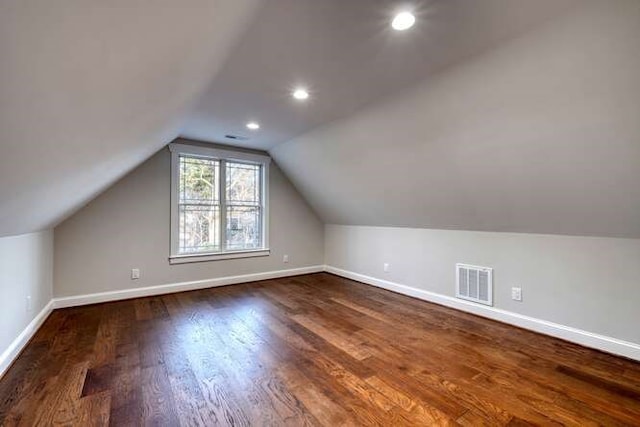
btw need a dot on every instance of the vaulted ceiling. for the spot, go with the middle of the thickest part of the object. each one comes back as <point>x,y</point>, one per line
<point>506,115</point>
<point>89,89</point>
<point>347,55</point>
<point>541,134</point>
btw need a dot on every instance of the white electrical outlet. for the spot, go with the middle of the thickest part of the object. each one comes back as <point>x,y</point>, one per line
<point>285,259</point>
<point>135,273</point>
<point>386,267</point>
<point>516,294</point>
<point>29,304</point>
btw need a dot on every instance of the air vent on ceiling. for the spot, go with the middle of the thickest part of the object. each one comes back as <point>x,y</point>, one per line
<point>237,137</point>
<point>474,283</point>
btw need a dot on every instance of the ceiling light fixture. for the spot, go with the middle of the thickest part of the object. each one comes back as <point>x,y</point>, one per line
<point>403,21</point>
<point>253,126</point>
<point>300,94</point>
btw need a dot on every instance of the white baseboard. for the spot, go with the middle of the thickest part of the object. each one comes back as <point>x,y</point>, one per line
<point>14,349</point>
<point>588,339</point>
<point>78,300</point>
<point>568,333</point>
<point>9,355</point>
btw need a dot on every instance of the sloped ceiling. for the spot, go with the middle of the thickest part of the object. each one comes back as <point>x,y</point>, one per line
<point>540,134</point>
<point>348,56</point>
<point>504,115</point>
<point>91,88</point>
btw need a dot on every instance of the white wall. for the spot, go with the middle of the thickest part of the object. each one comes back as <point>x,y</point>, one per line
<point>26,269</point>
<point>128,227</point>
<point>589,283</point>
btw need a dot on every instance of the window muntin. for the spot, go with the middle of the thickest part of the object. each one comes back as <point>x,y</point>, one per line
<point>219,201</point>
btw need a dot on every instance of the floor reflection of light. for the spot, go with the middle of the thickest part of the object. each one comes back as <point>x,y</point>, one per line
<point>191,330</point>
<point>247,330</point>
<point>223,330</point>
<point>250,314</point>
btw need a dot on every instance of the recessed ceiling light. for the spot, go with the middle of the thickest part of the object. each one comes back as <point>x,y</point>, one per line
<point>300,94</point>
<point>403,21</point>
<point>253,126</point>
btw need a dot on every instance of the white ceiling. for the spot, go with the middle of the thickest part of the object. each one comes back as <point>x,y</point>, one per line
<point>89,89</point>
<point>348,56</point>
<point>540,134</point>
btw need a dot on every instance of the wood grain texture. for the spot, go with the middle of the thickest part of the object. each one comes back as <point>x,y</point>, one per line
<point>306,351</point>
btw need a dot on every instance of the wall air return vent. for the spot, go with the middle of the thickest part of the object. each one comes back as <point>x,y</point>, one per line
<point>474,283</point>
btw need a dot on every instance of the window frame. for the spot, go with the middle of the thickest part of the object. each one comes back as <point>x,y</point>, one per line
<point>222,155</point>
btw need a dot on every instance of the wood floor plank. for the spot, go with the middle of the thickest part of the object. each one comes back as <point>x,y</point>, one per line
<point>321,406</point>
<point>243,358</point>
<point>94,410</point>
<point>222,395</point>
<point>63,406</point>
<point>157,398</point>
<point>309,350</point>
<point>349,346</point>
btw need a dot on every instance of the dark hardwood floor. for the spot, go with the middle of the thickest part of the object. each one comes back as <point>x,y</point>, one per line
<point>307,350</point>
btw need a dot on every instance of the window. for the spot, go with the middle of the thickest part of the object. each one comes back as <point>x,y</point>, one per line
<point>218,204</point>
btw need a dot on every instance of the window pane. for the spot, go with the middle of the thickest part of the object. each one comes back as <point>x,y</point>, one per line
<point>243,228</point>
<point>243,184</point>
<point>199,228</point>
<point>199,180</point>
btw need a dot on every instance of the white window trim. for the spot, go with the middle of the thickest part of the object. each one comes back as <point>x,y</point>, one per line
<point>216,153</point>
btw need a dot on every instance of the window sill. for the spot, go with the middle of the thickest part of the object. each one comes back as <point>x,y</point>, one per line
<point>184,259</point>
